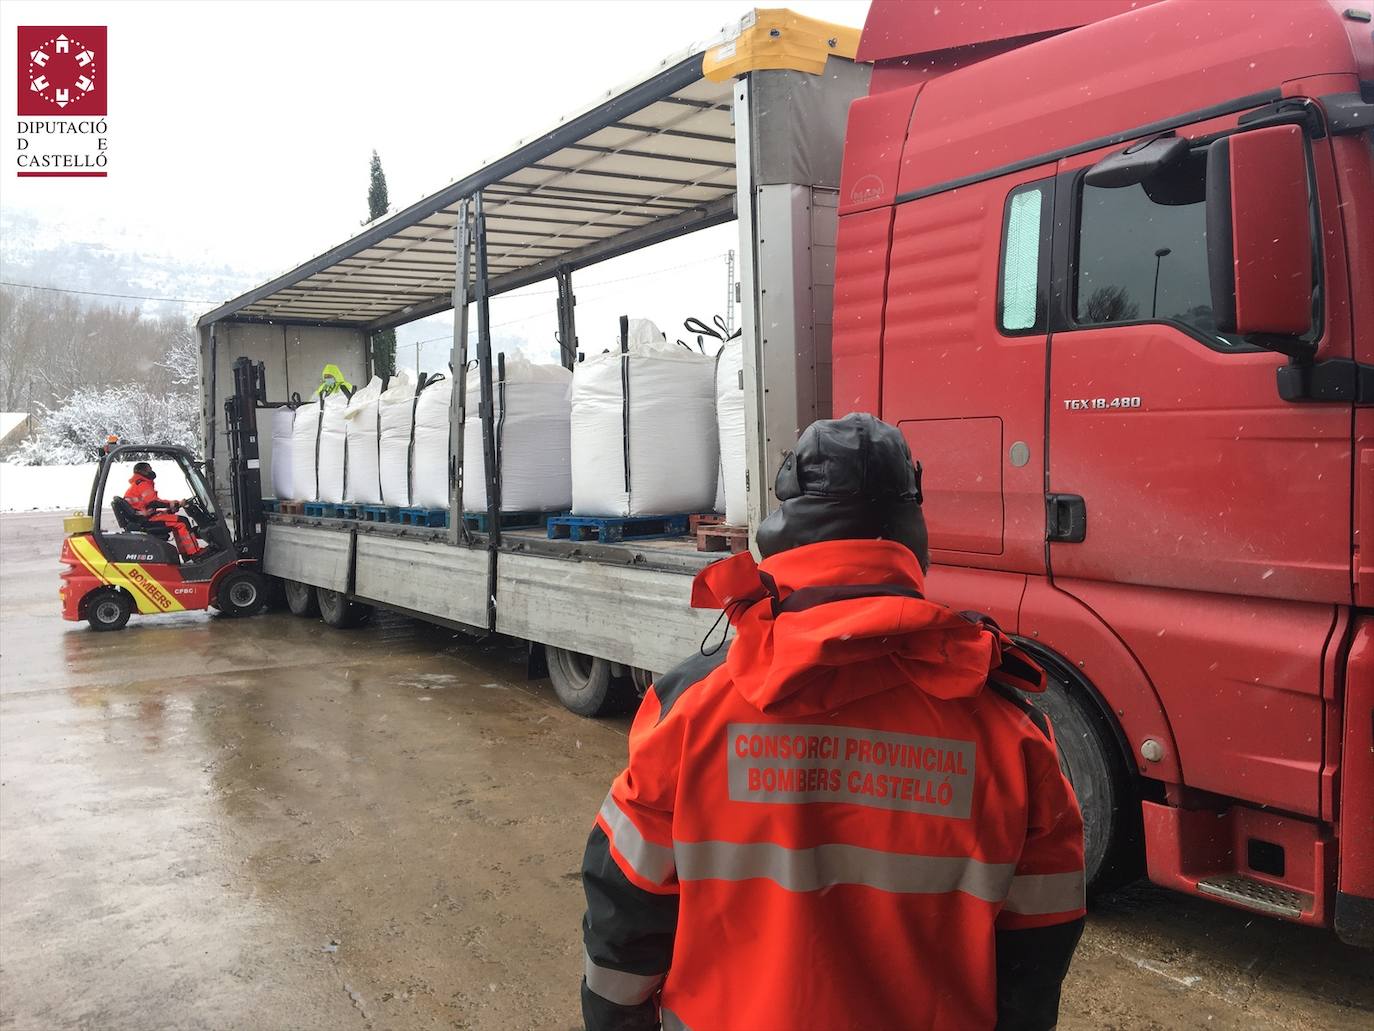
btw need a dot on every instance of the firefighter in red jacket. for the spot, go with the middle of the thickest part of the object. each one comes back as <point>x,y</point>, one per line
<point>848,816</point>
<point>142,496</point>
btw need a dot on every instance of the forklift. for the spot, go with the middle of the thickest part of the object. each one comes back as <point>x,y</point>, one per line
<point>113,571</point>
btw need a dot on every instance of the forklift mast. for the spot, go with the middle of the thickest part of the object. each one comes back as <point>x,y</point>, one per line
<point>245,466</point>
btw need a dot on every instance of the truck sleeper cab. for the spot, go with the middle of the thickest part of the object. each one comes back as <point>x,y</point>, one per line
<point>1102,278</point>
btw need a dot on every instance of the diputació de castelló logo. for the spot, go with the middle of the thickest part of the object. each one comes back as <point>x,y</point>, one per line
<point>63,100</point>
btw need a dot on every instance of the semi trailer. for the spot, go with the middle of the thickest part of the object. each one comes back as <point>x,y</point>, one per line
<point>1107,266</point>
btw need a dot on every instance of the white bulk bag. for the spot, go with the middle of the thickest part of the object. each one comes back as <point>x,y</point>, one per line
<point>362,422</point>
<point>283,422</point>
<point>534,435</point>
<point>429,455</point>
<point>333,450</point>
<point>305,442</point>
<point>730,421</point>
<point>396,420</point>
<point>652,450</point>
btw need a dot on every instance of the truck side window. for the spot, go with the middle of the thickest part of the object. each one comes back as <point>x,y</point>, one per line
<point>1020,291</point>
<point>1142,254</point>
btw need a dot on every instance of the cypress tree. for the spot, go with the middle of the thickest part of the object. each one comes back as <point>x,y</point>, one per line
<point>383,343</point>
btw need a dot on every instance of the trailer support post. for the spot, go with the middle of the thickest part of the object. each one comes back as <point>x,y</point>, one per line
<point>458,360</point>
<point>484,373</point>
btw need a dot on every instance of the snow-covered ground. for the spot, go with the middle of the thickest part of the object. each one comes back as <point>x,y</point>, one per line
<point>29,488</point>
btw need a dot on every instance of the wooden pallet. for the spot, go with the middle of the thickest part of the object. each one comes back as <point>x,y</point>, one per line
<point>291,507</point>
<point>478,522</point>
<point>696,522</point>
<point>378,513</point>
<point>422,516</point>
<point>722,537</point>
<point>614,529</point>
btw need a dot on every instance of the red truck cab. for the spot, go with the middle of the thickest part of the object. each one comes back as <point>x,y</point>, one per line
<point>1108,266</point>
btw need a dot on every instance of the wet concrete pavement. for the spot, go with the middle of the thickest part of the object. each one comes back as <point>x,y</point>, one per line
<point>208,823</point>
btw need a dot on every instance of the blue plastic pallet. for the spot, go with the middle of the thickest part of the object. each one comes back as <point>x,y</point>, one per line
<point>321,509</point>
<point>614,529</point>
<point>378,513</point>
<point>271,505</point>
<point>423,516</point>
<point>479,522</point>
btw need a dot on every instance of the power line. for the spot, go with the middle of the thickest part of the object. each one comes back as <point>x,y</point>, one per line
<point>98,293</point>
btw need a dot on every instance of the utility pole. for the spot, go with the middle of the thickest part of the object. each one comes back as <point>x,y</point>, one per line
<point>730,292</point>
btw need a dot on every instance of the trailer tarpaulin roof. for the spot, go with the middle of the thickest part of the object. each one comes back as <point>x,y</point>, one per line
<point>651,161</point>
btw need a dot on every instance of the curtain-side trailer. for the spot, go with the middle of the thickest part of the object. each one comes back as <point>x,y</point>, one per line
<point>749,127</point>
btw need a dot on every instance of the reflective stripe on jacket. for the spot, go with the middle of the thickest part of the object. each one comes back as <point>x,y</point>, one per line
<point>832,822</point>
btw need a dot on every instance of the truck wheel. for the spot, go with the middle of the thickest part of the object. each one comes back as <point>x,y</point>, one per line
<point>337,611</point>
<point>108,610</point>
<point>1091,758</point>
<point>301,599</point>
<point>585,685</point>
<point>241,593</point>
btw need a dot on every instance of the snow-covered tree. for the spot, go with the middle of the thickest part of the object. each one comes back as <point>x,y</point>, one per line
<point>73,431</point>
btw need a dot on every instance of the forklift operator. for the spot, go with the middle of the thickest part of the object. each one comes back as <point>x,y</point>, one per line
<point>142,495</point>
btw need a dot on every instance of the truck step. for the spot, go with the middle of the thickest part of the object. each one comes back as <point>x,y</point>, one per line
<point>614,529</point>
<point>480,522</point>
<point>722,537</point>
<point>422,516</point>
<point>378,513</point>
<point>1257,895</point>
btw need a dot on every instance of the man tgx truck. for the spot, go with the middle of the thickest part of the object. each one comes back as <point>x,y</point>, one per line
<point>1115,282</point>
<point>1107,264</point>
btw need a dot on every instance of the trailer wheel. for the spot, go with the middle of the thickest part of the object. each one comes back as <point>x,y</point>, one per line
<point>585,684</point>
<point>241,593</point>
<point>337,611</point>
<point>1091,758</point>
<point>301,599</point>
<point>108,609</point>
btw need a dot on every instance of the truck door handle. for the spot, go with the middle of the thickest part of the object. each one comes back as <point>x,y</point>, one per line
<point>1066,518</point>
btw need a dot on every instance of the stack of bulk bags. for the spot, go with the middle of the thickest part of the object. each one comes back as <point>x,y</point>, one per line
<point>730,420</point>
<point>362,418</point>
<point>429,454</point>
<point>644,436</point>
<point>305,442</point>
<point>283,424</point>
<point>533,422</point>
<point>396,423</point>
<point>332,454</point>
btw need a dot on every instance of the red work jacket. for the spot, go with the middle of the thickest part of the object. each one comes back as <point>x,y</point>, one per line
<point>141,494</point>
<point>829,824</point>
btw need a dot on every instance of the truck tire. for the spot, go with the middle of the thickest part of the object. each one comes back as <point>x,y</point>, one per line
<point>1091,757</point>
<point>585,685</point>
<point>108,609</point>
<point>241,593</point>
<point>301,599</point>
<point>337,611</point>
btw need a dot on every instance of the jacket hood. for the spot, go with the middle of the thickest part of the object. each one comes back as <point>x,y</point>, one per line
<point>825,624</point>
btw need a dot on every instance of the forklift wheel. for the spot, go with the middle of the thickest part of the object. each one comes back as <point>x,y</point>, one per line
<point>300,599</point>
<point>108,610</point>
<point>240,593</point>
<point>337,611</point>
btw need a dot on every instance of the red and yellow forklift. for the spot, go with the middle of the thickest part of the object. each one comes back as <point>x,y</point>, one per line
<point>133,566</point>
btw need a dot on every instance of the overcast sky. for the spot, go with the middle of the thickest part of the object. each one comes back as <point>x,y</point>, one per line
<point>241,131</point>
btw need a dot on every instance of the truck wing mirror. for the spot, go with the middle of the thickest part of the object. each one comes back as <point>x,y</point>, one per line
<point>1259,238</point>
<point>1137,162</point>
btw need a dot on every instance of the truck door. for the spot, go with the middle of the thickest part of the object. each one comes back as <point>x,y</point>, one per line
<point>963,371</point>
<point>1203,518</point>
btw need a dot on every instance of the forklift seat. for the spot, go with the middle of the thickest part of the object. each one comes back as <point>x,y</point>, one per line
<point>131,521</point>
